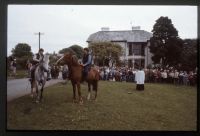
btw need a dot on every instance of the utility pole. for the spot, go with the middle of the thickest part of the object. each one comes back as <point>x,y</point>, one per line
<point>39,37</point>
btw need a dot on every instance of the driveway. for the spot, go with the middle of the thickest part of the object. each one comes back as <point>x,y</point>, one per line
<point>20,87</point>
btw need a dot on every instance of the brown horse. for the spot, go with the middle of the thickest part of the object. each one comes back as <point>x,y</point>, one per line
<point>76,75</point>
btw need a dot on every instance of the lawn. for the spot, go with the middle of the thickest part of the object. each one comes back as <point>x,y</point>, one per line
<point>159,107</point>
<point>19,74</point>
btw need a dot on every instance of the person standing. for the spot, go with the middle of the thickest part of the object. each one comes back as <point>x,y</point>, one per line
<point>181,74</point>
<point>65,72</point>
<point>185,78</point>
<point>14,66</point>
<point>139,78</point>
<point>28,67</point>
<point>176,78</point>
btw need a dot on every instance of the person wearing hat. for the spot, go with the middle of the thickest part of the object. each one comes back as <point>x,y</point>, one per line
<point>36,59</point>
<point>87,62</point>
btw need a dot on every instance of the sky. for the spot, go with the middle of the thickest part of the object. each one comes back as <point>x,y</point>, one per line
<point>66,25</point>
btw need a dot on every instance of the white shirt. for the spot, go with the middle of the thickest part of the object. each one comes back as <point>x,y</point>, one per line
<point>164,74</point>
<point>176,74</point>
<point>140,77</point>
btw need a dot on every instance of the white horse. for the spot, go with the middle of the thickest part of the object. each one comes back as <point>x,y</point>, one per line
<point>39,78</point>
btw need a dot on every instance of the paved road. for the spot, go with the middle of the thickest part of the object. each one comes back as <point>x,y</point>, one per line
<point>20,87</point>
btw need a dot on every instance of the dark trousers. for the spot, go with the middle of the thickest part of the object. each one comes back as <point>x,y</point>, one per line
<point>139,86</point>
<point>86,69</point>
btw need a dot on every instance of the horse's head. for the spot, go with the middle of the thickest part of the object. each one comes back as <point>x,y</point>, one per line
<point>69,59</point>
<point>45,61</point>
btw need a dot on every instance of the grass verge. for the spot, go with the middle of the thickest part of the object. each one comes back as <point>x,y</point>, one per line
<point>159,107</point>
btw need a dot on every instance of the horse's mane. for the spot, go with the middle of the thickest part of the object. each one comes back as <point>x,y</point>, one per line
<point>73,59</point>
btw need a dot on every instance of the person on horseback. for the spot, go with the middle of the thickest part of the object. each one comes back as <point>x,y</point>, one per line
<point>36,59</point>
<point>87,63</point>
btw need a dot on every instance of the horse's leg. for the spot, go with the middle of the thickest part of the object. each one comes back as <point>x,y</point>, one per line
<point>32,95</point>
<point>95,86</point>
<point>79,93</point>
<point>74,92</point>
<point>41,91</point>
<point>89,91</point>
<point>37,92</point>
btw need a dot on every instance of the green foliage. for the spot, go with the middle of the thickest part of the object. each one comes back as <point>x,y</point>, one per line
<point>165,44</point>
<point>66,50</point>
<point>103,50</point>
<point>74,49</point>
<point>52,59</point>
<point>189,54</point>
<point>22,73</point>
<point>21,50</point>
<point>21,62</point>
<point>78,50</point>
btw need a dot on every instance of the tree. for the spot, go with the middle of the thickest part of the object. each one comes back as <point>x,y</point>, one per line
<point>165,45</point>
<point>22,50</point>
<point>65,50</point>
<point>103,51</point>
<point>78,50</point>
<point>189,54</point>
<point>22,53</point>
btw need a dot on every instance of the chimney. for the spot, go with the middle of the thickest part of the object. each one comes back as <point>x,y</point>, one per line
<point>135,27</point>
<point>105,29</point>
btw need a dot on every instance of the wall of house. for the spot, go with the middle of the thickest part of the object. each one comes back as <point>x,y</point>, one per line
<point>146,58</point>
<point>124,50</point>
<point>148,55</point>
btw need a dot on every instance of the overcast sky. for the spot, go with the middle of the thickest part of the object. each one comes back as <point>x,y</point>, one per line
<point>65,25</point>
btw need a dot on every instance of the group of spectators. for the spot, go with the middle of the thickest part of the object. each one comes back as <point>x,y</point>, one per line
<point>173,76</point>
<point>154,75</point>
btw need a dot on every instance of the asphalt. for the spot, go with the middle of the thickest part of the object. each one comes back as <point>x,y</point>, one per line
<point>20,87</point>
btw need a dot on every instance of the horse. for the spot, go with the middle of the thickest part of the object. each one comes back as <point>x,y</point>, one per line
<point>76,69</point>
<point>39,78</point>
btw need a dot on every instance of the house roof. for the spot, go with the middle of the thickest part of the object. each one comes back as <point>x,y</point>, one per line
<point>128,36</point>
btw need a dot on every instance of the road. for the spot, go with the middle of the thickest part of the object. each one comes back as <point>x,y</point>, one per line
<point>20,87</point>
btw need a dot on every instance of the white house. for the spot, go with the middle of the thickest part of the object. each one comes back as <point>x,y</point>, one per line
<point>135,44</point>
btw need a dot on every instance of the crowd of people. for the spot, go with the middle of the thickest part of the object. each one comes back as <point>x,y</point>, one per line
<point>154,75</point>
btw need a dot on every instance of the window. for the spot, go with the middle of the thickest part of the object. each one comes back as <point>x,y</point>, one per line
<point>136,52</point>
<point>130,49</point>
<point>137,49</point>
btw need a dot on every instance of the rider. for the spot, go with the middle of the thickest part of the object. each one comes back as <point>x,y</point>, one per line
<point>36,59</point>
<point>87,62</point>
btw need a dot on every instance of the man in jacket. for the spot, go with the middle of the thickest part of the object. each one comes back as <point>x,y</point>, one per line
<point>36,59</point>
<point>87,63</point>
